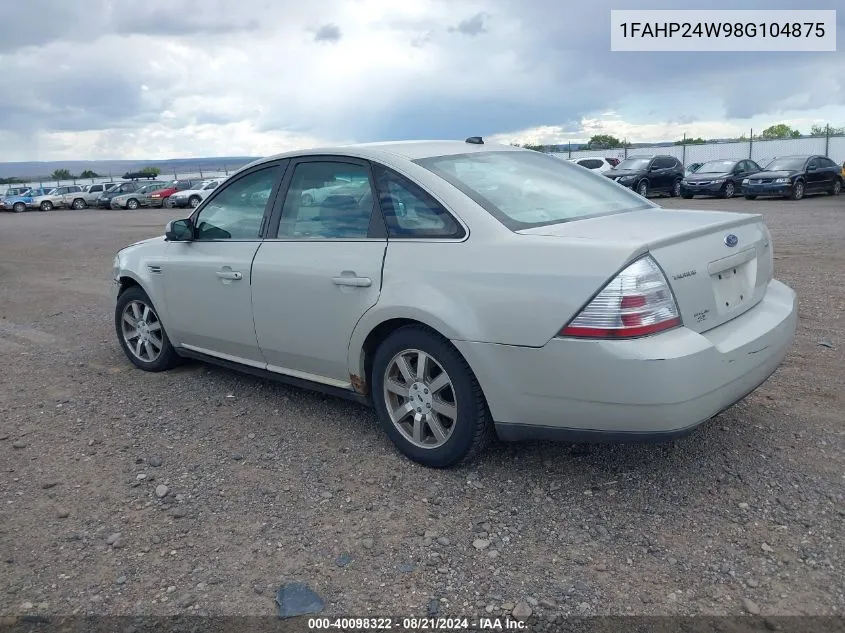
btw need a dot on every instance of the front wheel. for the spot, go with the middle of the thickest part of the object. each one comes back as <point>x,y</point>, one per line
<point>19,207</point>
<point>642,188</point>
<point>427,399</point>
<point>836,188</point>
<point>729,190</point>
<point>132,204</point>
<point>194,202</point>
<point>797,190</point>
<point>676,189</point>
<point>141,333</point>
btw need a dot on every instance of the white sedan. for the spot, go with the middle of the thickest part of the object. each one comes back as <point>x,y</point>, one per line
<point>473,290</point>
<point>192,197</point>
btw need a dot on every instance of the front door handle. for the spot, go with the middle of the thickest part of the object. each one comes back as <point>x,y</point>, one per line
<point>230,275</point>
<point>350,280</point>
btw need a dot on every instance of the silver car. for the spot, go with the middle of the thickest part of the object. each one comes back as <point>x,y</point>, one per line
<point>469,290</point>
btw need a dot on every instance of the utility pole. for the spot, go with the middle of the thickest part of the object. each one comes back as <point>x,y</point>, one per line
<point>750,143</point>
<point>684,150</point>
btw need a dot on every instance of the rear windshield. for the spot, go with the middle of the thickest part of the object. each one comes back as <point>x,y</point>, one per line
<point>523,189</point>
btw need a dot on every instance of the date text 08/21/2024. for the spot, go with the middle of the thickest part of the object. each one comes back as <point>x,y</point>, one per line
<point>417,624</point>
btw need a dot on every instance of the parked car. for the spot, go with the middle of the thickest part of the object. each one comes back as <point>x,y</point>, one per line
<point>12,192</point>
<point>316,195</point>
<point>472,290</point>
<point>57,197</point>
<point>793,177</point>
<point>104,201</point>
<point>20,203</point>
<point>90,194</point>
<point>192,197</point>
<point>718,178</point>
<point>843,171</point>
<point>649,174</point>
<point>692,168</point>
<point>138,198</point>
<point>597,164</point>
<point>160,196</point>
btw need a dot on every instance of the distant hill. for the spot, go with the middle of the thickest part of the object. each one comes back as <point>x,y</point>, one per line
<point>119,167</point>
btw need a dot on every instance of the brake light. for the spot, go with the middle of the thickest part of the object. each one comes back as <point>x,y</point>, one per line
<point>637,302</point>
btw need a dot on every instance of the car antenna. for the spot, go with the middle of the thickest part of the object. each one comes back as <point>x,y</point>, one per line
<point>475,140</point>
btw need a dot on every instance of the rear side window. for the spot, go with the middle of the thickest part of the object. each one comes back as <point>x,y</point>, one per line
<point>410,212</point>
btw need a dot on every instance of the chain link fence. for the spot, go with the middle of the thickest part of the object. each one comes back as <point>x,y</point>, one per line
<point>166,176</point>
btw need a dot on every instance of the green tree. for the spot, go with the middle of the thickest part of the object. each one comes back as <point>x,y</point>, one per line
<point>153,171</point>
<point>603,141</point>
<point>691,141</point>
<point>779,130</point>
<point>61,174</point>
<point>89,174</point>
<point>824,130</point>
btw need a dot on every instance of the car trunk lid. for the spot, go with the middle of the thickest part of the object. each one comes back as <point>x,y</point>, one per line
<point>718,264</point>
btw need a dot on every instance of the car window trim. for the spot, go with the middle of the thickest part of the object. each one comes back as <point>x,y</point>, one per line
<point>425,238</point>
<point>284,163</point>
<point>377,231</point>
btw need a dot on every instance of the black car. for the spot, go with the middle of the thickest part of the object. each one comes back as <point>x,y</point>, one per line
<point>794,176</point>
<point>104,201</point>
<point>649,174</point>
<point>718,178</point>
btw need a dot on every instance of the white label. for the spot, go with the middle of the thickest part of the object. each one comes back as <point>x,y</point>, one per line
<point>722,30</point>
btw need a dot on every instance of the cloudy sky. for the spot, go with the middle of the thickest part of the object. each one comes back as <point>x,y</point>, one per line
<point>100,79</point>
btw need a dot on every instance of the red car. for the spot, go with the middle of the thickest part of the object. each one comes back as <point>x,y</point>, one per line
<point>159,196</point>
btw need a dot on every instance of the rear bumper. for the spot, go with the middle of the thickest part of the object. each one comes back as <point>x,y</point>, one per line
<point>637,390</point>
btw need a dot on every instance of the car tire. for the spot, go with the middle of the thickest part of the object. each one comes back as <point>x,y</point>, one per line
<point>134,302</point>
<point>642,188</point>
<point>797,190</point>
<point>748,197</point>
<point>729,190</point>
<point>836,188</point>
<point>676,189</point>
<point>19,207</point>
<point>78,204</point>
<point>194,201</point>
<point>46,206</point>
<point>132,204</point>
<point>447,444</point>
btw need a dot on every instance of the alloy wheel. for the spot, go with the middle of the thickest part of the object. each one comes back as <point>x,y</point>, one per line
<point>141,331</point>
<point>420,398</point>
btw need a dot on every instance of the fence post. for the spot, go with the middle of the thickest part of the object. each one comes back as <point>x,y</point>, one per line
<point>684,150</point>
<point>827,141</point>
<point>570,149</point>
<point>750,143</point>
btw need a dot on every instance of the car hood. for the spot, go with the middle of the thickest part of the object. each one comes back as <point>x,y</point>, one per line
<point>775,174</point>
<point>136,245</point>
<point>706,176</point>
<point>616,173</point>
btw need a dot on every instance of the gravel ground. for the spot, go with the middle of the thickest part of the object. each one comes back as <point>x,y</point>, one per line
<point>202,491</point>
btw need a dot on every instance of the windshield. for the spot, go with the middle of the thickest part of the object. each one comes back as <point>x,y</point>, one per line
<point>633,163</point>
<point>523,189</point>
<point>716,167</point>
<point>786,164</point>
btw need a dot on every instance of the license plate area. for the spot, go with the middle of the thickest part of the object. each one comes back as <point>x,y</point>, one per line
<point>734,286</point>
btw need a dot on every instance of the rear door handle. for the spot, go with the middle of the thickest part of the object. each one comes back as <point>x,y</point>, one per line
<point>229,274</point>
<point>356,282</point>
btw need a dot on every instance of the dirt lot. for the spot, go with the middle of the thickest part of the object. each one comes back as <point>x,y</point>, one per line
<point>269,484</point>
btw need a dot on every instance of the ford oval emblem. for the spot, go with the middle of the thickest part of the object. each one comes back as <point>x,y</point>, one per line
<point>731,240</point>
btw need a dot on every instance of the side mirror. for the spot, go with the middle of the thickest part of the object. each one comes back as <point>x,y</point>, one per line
<point>179,231</point>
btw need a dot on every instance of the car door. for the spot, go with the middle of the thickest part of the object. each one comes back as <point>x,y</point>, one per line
<point>319,270</point>
<point>207,279</point>
<point>816,176</point>
<point>659,175</point>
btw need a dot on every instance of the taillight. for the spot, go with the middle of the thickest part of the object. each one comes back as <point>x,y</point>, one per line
<point>637,302</point>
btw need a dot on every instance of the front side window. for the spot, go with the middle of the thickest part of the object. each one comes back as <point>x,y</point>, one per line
<point>327,200</point>
<point>525,189</point>
<point>236,212</point>
<point>411,212</point>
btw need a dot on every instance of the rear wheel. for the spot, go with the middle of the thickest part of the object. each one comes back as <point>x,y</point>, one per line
<point>427,399</point>
<point>46,206</point>
<point>729,190</point>
<point>836,188</point>
<point>642,188</point>
<point>140,332</point>
<point>19,207</point>
<point>78,204</point>
<point>797,190</point>
<point>132,204</point>
<point>676,189</point>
